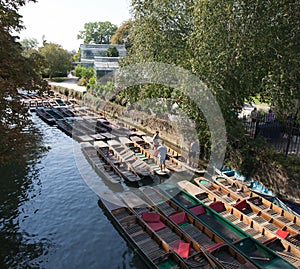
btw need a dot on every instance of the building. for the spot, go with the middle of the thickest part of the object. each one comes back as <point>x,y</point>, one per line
<point>94,55</point>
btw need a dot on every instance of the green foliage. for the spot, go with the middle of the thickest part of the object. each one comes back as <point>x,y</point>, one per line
<point>122,35</point>
<point>16,72</point>
<point>241,50</point>
<point>97,32</point>
<point>76,56</point>
<point>84,74</point>
<point>29,46</point>
<point>112,52</point>
<point>58,60</point>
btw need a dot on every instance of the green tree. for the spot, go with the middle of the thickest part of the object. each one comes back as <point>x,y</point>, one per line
<point>16,73</point>
<point>122,35</point>
<point>240,49</point>
<point>97,32</point>
<point>29,45</point>
<point>58,60</point>
<point>76,56</point>
<point>85,75</point>
<point>112,52</point>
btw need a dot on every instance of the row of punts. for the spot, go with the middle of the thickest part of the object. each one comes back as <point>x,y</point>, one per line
<point>34,101</point>
<point>190,222</point>
<point>171,228</point>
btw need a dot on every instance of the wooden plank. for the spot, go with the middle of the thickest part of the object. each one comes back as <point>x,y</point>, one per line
<point>100,144</point>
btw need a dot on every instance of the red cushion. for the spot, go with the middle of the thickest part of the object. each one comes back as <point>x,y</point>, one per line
<point>282,234</point>
<point>241,205</point>
<point>217,206</point>
<point>156,226</point>
<point>198,210</point>
<point>181,248</point>
<point>150,216</point>
<point>178,218</point>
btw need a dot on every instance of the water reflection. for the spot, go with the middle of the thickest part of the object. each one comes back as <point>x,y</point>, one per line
<point>19,184</point>
<point>50,218</point>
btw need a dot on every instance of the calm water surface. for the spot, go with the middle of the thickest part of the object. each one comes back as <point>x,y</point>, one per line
<point>50,218</point>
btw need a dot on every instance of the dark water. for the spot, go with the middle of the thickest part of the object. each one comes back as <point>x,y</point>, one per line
<point>50,218</point>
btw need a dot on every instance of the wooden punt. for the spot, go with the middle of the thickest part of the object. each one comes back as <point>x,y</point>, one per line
<point>151,248</point>
<point>113,127</point>
<point>236,184</point>
<point>104,151</point>
<point>250,225</point>
<point>255,186</point>
<point>99,165</point>
<point>84,126</point>
<point>201,235</point>
<point>144,149</point>
<point>176,240</point>
<point>66,127</point>
<point>73,131</point>
<point>259,254</point>
<point>174,157</point>
<point>143,156</point>
<point>66,112</point>
<point>270,213</point>
<point>45,116</point>
<point>108,136</point>
<point>126,156</point>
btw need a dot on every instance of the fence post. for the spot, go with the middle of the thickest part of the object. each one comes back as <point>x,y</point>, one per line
<point>289,138</point>
<point>256,129</point>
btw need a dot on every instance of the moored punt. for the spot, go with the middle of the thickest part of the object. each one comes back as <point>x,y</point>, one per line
<point>143,156</point>
<point>258,253</point>
<point>269,237</point>
<point>126,156</point>
<point>84,126</point>
<point>104,170</point>
<point>45,116</point>
<point>242,187</point>
<point>105,153</point>
<point>54,113</point>
<point>201,235</point>
<point>269,212</point>
<point>255,186</point>
<point>150,247</point>
<point>65,126</point>
<point>112,127</point>
<point>174,157</point>
<point>176,240</point>
<point>108,136</point>
<point>68,128</point>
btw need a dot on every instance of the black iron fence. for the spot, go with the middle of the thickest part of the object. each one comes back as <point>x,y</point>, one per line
<point>283,137</point>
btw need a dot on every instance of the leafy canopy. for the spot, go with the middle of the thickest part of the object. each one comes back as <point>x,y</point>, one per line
<point>16,73</point>
<point>240,49</point>
<point>97,32</point>
<point>58,61</point>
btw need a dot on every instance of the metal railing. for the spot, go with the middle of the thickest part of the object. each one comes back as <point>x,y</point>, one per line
<point>283,137</point>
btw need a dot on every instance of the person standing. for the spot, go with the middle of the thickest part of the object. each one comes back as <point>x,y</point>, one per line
<point>192,155</point>
<point>270,117</point>
<point>162,154</point>
<point>254,116</point>
<point>155,139</point>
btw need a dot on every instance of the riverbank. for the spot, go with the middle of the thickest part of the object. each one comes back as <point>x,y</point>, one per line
<point>275,175</point>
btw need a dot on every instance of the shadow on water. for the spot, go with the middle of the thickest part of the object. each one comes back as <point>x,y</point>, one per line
<point>19,183</point>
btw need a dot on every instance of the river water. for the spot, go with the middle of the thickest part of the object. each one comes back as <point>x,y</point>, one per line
<point>50,218</point>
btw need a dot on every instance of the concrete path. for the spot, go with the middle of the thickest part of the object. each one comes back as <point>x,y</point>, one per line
<point>70,83</point>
